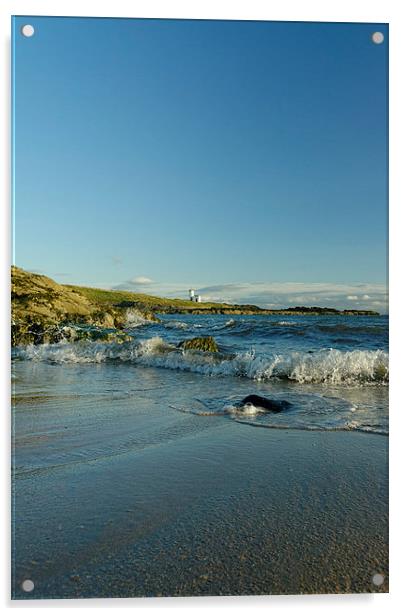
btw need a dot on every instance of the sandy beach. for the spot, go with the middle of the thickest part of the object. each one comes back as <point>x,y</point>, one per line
<point>208,507</point>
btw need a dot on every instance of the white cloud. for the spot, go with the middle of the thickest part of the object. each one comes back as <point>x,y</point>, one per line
<point>141,280</point>
<point>286,294</point>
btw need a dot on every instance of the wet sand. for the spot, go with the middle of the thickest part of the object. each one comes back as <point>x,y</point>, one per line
<point>219,509</point>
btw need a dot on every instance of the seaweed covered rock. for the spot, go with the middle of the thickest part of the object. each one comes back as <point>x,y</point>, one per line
<point>94,334</point>
<point>206,343</point>
<point>48,333</point>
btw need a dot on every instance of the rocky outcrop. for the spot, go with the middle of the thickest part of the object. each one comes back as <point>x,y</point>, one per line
<point>46,333</point>
<point>44,311</point>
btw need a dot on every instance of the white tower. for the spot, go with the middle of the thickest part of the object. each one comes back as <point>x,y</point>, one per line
<point>192,295</point>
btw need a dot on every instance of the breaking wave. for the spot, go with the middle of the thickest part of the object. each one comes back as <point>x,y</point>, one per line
<point>135,319</point>
<point>323,366</point>
<point>176,325</point>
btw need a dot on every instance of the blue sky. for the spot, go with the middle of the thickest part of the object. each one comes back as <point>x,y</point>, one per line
<point>245,159</point>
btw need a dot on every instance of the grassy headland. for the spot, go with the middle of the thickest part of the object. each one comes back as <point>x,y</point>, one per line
<point>43,310</point>
<point>181,306</point>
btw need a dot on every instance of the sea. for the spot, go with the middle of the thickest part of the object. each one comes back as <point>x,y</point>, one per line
<point>332,370</point>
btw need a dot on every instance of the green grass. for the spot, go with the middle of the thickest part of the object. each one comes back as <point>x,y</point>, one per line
<point>103,296</point>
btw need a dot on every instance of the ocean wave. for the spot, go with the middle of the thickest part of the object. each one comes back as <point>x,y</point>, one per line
<point>175,325</point>
<point>345,327</point>
<point>286,323</point>
<point>324,366</point>
<point>226,325</point>
<point>260,329</point>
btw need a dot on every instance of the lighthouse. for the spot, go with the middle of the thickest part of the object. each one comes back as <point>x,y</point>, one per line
<point>193,297</point>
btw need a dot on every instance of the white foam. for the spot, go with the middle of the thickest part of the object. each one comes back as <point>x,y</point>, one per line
<point>175,325</point>
<point>286,323</point>
<point>134,319</point>
<point>245,410</point>
<point>326,366</point>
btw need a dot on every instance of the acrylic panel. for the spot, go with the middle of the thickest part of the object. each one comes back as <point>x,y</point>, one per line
<point>199,308</point>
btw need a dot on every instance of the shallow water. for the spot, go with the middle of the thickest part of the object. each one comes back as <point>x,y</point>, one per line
<point>132,498</point>
<point>333,371</point>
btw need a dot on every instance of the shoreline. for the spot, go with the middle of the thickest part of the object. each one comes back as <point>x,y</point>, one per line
<point>221,511</point>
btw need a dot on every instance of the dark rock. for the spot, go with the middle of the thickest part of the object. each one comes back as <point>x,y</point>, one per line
<point>275,406</point>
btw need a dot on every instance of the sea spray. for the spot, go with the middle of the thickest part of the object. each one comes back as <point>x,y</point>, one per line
<point>324,366</point>
<point>133,318</point>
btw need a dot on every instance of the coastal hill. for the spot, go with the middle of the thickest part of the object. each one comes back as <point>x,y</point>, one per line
<point>43,310</point>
